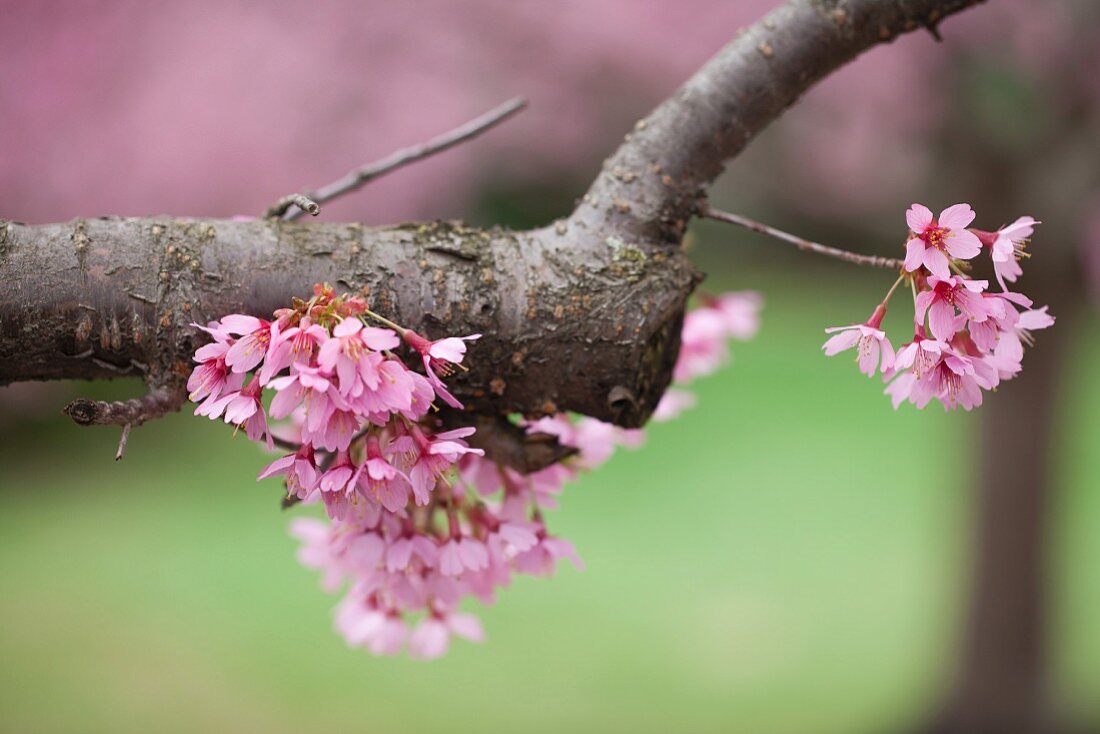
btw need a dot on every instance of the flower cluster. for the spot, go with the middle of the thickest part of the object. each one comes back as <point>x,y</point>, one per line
<point>704,343</point>
<point>417,520</point>
<point>966,338</point>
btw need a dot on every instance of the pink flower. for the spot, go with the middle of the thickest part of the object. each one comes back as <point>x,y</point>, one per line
<point>296,387</point>
<point>740,312</point>
<point>594,439</point>
<point>920,355</point>
<point>212,376</point>
<point>1009,352</point>
<point>249,350</point>
<point>541,560</point>
<point>402,551</point>
<point>432,456</point>
<point>320,548</point>
<point>1006,246</point>
<point>337,478</point>
<point>300,469</point>
<point>461,554</point>
<point>702,345</point>
<point>242,408</point>
<point>673,403</point>
<point>352,354</point>
<point>442,357</point>
<point>519,537</point>
<point>944,296</point>
<point>875,350</point>
<point>936,240</point>
<point>380,480</point>
<point>432,636</point>
<point>363,624</point>
<point>294,345</point>
<point>952,381</point>
<point>392,393</point>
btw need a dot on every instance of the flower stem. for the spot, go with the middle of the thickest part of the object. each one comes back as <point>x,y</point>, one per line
<point>893,288</point>
<point>383,320</point>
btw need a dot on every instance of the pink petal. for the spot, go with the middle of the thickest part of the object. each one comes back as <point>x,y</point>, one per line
<point>918,217</point>
<point>239,324</point>
<point>380,339</point>
<point>937,263</point>
<point>941,319</point>
<point>868,359</point>
<point>963,244</point>
<point>840,342</point>
<point>276,467</point>
<point>957,216</point>
<point>467,626</point>
<point>914,254</point>
<point>347,327</point>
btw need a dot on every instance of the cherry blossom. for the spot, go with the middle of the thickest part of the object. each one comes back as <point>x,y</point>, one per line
<point>1006,246</point>
<point>875,350</point>
<point>937,241</point>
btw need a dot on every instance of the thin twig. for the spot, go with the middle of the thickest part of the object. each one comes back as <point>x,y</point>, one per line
<point>122,441</point>
<point>301,201</point>
<point>360,177</point>
<point>805,245</point>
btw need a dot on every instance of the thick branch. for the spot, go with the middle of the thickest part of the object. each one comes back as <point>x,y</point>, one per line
<point>569,325</point>
<point>649,187</point>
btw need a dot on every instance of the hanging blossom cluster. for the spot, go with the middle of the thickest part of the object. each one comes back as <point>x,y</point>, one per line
<point>966,337</point>
<point>418,520</point>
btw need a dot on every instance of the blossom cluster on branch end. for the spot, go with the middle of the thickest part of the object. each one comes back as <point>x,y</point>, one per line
<point>417,520</point>
<point>977,336</point>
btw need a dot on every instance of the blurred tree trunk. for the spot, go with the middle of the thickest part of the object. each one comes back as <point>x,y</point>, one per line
<point>1003,679</point>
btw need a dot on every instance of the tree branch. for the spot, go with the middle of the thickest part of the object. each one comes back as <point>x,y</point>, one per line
<point>569,325</point>
<point>875,261</point>
<point>649,187</point>
<point>584,315</point>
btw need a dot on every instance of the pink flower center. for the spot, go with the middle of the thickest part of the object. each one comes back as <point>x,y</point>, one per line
<point>950,381</point>
<point>946,292</point>
<point>934,236</point>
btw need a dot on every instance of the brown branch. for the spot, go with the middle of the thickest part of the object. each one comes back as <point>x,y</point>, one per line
<point>855,258</point>
<point>154,404</point>
<point>126,413</point>
<point>649,187</point>
<point>566,324</point>
<point>362,176</point>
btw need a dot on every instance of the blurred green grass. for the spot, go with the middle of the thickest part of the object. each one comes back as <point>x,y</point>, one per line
<point>770,562</point>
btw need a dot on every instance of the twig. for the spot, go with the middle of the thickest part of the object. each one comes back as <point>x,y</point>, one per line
<point>362,176</point>
<point>303,202</point>
<point>805,245</point>
<point>157,402</point>
<point>122,441</point>
<point>126,413</point>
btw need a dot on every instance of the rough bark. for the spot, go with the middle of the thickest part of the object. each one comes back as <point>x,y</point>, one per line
<point>581,316</point>
<point>590,327</point>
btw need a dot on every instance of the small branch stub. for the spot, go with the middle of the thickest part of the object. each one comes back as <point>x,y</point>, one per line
<point>156,403</point>
<point>303,202</point>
